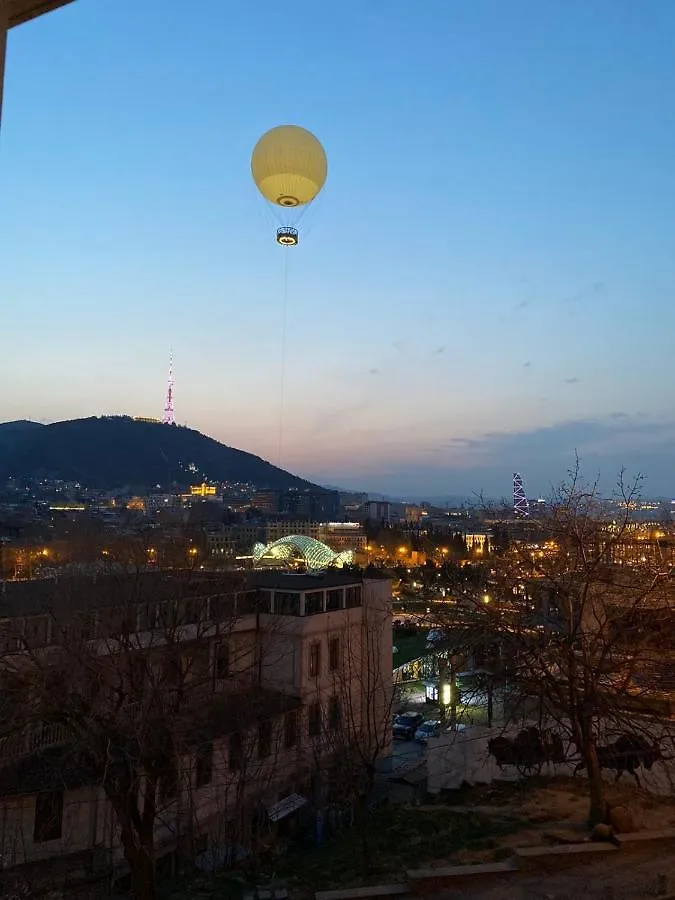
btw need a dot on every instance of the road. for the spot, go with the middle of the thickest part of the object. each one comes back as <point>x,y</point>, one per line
<point>403,751</point>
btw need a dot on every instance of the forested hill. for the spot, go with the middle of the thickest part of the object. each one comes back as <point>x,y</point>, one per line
<point>115,451</point>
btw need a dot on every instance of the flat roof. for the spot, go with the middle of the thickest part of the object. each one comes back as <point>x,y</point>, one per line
<point>289,581</point>
<point>73,591</point>
<point>21,11</point>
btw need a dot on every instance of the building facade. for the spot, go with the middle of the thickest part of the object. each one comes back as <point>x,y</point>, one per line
<point>257,689</point>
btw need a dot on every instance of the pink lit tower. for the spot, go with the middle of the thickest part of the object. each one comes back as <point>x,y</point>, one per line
<point>169,418</point>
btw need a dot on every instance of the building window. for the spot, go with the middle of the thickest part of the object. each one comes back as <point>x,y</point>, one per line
<point>315,660</point>
<point>291,729</point>
<point>353,597</point>
<point>48,822</point>
<point>204,764</point>
<point>313,603</point>
<point>265,601</point>
<point>334,600</point>
<point>173,672</point>
<point>334,714</point>
<point>36,631</point>
<point>264,740</point>
<point>334,654</point>
<point>222,667</point>
<point>314,720</point>
<point>286,603</point>
<point>168,785</point>
<point>200,844</point>
<point>138,675</point>
<point>236,752</point>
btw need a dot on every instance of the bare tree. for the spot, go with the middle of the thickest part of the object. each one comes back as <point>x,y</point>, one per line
<point>123,666</point>
<point>255,759</point>
<point>357,720</point>
<point>580,606</point>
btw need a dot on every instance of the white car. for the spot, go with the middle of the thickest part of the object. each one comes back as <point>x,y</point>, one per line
<point>435,636</point>
<point>427,729</point>
<point>455,729</point>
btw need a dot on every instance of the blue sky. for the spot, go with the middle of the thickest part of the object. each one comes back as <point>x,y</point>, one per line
<point>486,283</point>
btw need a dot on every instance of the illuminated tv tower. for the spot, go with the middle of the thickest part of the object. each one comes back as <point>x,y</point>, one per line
<point>169,418</point>
<point>521,508</point>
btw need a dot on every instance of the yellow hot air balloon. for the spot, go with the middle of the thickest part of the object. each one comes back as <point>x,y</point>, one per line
<point>289,167</point>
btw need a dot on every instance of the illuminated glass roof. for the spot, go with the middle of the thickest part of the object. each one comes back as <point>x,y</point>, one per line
<point>314,554</point>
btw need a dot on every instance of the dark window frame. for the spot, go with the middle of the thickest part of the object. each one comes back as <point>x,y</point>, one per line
<point>236,752</point>
<point>314,603</point>
<point>265,739</point>
<point>48,817</point>
<point>204,765</point>
<point>291,729</point>
<point>334,714</point>
<point>222,662</point>
<point>354,597</point>
<point>333,599</point>
<point>168,785</point>
<point>334,654</point>
<point>314,667</point>
<point>314,719</point>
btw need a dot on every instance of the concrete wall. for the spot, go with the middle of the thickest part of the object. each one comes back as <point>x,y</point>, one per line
<point>89,821</point>
<point>362,681</point>
<point>463,757</point>
<point>17,817</point>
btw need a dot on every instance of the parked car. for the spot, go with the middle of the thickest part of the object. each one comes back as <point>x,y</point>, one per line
<point>455,729</point>
<point>427,729</point>
<point>435,636</point>
<point>406,724</point>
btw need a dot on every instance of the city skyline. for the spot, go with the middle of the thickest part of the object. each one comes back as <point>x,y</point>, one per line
<point>485,286</point>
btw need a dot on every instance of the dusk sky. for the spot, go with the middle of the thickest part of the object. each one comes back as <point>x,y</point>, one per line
<point>486,284</point>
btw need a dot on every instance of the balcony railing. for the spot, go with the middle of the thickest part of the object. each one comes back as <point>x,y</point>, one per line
<point>32,740</point>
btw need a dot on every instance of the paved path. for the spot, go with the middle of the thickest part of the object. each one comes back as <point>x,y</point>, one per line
<point>629,878</point>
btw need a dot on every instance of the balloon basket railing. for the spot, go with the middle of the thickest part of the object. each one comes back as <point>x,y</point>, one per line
<point>287,237</point>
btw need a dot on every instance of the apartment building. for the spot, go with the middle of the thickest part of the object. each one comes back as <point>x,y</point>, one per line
<point>338,536</point>
<point>184,712</point>
<point>227,541</point>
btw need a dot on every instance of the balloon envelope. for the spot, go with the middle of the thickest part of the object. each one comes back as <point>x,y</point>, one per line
<point>289,166</point>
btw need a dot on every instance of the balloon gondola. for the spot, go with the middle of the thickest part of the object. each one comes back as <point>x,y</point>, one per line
<point>287,236</point>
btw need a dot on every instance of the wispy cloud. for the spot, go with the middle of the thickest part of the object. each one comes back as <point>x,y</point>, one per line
<point>460,465</point>
<point>597,287</point>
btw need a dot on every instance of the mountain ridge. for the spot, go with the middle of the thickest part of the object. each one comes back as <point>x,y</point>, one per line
<point>109,452</point>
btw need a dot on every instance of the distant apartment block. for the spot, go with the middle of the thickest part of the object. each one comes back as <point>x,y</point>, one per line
<point>378,511</point>
<point>228,541</point>
<point>316,505</point>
